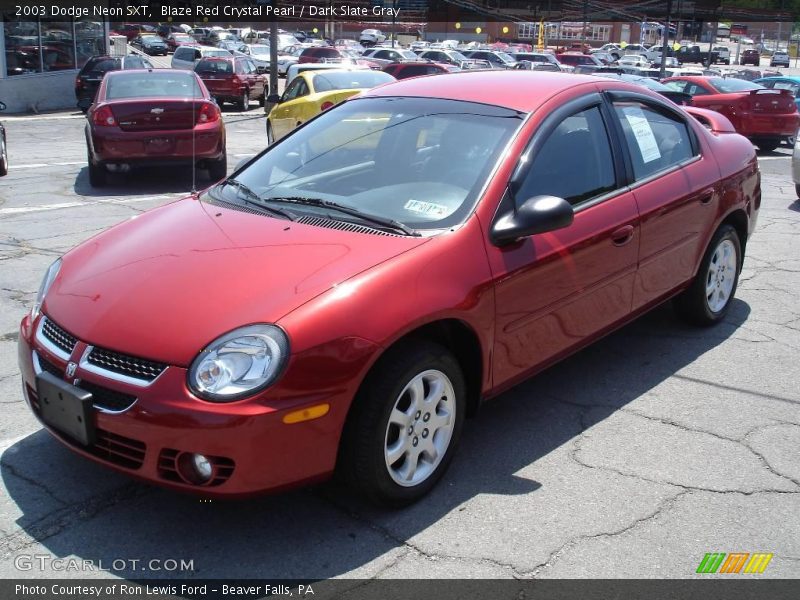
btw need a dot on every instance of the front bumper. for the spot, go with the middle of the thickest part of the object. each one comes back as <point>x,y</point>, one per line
<point>253,451</point>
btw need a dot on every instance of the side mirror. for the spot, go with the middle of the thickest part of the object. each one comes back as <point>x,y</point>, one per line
<point>536,215</point>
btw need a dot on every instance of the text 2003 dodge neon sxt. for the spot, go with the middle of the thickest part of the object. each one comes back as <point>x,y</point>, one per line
<point>348,296</point>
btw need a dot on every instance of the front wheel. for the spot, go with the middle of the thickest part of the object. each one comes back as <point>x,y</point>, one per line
<point>3,157</point>
<point>707,300</point>
<point>270,134</point>
<point>405,424</point>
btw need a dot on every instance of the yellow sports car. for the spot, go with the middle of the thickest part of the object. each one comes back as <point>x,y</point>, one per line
<point>311,92</point>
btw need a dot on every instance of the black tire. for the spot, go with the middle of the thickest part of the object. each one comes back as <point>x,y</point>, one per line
<point>262,99</point>
<point>693,303</point>
<point>3,157</point>
<point>218,169</point>
<point>244,101</point>
<point>768,145</point>
<point>362,461</point>
<point>270,134</point>
<point>97,173</point>
<point>797,190</point>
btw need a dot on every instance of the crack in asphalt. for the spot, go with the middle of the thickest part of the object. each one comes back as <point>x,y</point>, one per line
<point>37,484</point>
<point>69,515</point>
<point>665,504</point>
<point>389,535</point>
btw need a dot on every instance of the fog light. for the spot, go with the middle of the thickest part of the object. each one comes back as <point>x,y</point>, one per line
<point>193,468</point>
<point>202,466</point>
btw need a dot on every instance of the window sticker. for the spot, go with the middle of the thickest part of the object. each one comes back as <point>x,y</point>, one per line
<point>427,208</point>
<point>648,147</point>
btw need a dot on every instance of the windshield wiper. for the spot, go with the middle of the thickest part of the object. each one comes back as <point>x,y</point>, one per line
<point>253,198</point>
<point>349,210</point>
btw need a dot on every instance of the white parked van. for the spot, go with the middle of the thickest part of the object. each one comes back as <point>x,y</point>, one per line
<point>186,57</point>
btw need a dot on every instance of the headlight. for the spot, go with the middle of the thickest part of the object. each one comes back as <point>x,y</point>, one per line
<point>49,277</point>
<point>239,363</point>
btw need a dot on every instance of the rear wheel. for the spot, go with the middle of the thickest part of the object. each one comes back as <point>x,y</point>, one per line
<point>244,101</point>
<point>405,424</point>
<point>97,174</point>
<point>768,145</point>
<point>709,297</point>
<point>797,189</point>
<point>262,99</point>
<point>218,169</point>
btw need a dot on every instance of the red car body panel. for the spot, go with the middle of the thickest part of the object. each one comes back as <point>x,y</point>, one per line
<point>755,115</point>
<point>139,135</point>
<point>345,297</point>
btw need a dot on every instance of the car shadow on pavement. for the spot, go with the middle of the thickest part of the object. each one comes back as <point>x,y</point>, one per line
<point>144,181</point>
<point>74,508</point>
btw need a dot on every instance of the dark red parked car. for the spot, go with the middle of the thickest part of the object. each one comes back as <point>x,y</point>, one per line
<point>765,116</point>
<point>346,298</point>
<point>234,80</point>
<point>317,54</point>
<point>154,117</point>
<point>417,69</point>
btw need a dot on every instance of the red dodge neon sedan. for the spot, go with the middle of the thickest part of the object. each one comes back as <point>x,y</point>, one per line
<point>153,117</point>
<point>765,116</point>
<point>349,295</point>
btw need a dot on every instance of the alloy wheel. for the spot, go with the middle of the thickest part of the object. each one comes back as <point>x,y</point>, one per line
<point>721,276</point>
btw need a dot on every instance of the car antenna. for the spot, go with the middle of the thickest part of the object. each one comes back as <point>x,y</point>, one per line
<point>194,121</point>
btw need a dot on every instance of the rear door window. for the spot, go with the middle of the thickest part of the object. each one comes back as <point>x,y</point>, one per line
<point>657,139</point>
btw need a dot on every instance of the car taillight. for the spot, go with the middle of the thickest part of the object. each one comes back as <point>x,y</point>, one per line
<point>104,117</point>
<point>326,105</point>
<point>78,83</point>
<point>208,113</point>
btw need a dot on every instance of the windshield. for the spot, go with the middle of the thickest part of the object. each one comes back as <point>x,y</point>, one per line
<point>506,58</point>
<point>222,53</point>
<point>214,67</point>
<point>259,49</point>
<point>101,66</point>
<point>456,55</point>
<point>418,161</point>
<point>732,85</point>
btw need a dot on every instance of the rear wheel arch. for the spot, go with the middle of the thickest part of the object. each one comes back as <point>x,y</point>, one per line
<point>739,221</point>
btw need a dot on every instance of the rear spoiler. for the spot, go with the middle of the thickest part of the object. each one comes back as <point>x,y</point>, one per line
<point>711,119</point>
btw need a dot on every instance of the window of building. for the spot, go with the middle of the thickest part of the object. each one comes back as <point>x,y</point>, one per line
<point>36,46</point>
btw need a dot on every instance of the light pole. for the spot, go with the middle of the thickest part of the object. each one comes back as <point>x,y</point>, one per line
<point>665,42</point>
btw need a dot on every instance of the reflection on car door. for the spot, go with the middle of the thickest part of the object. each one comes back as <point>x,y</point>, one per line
<point>289,112</point>
<point>674,191</point>
<point>555,290</point>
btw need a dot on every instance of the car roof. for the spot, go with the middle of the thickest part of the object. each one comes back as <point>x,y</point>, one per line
<point>522,90</point>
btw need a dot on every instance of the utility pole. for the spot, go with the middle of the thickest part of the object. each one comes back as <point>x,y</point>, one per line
<point>665,43</point>
<point>583,35</point>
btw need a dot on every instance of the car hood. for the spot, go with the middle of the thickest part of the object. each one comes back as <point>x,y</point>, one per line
<point>166,283</point>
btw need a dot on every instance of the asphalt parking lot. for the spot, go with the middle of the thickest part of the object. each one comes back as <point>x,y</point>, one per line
<point>633,458</point>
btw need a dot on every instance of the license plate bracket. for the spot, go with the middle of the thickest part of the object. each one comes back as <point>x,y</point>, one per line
<point>66,408</point>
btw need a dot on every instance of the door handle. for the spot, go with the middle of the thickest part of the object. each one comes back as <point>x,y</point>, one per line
<point>622,236</point>
<point>706,199</point>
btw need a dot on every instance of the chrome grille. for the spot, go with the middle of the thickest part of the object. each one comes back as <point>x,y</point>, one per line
<point>108,399</point>
<point>57,336</point>
<point>131,366</point>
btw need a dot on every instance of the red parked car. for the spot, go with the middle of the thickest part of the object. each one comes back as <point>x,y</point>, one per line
<point>179,39</point>
<point>234,80</point>
<point>417,69</point>
<point>153,117</point>
<point>317,54</point>
<point>349,295</point>
<point>765,116</point>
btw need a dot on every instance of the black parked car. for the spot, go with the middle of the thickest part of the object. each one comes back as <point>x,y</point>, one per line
<point>92,73</point>
<point>151,44</point>
<point>3,149</point>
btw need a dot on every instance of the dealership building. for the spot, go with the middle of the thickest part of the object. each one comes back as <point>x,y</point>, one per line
<point>40,59</point>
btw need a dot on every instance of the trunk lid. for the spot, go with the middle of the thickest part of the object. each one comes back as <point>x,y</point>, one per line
<point>768,101</point>
<point>154,114</point>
